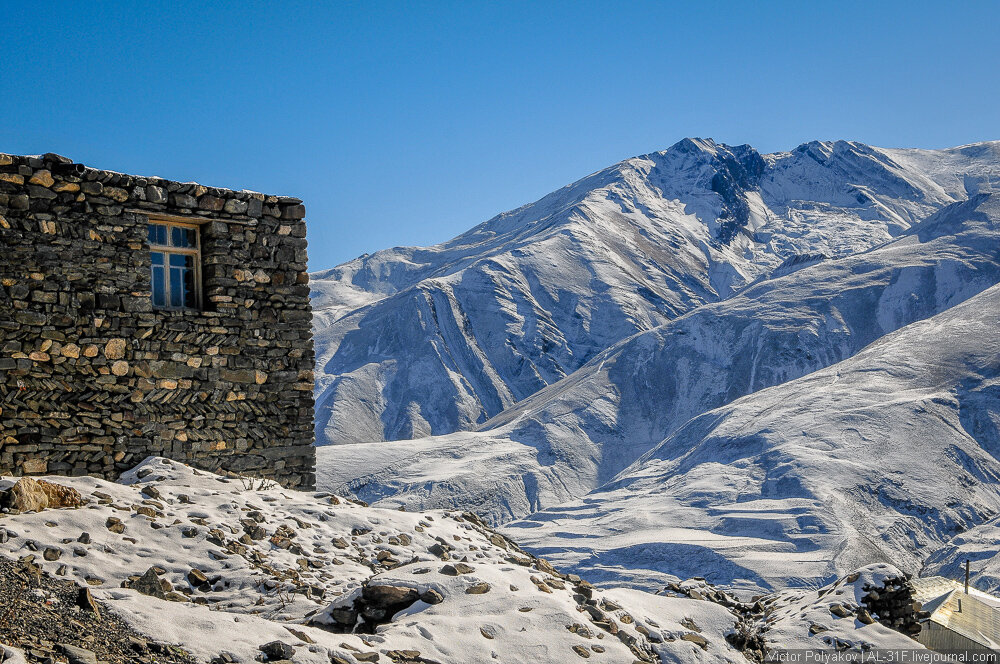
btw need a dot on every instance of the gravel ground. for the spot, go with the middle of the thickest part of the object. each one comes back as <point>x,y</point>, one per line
<point>41,616</point>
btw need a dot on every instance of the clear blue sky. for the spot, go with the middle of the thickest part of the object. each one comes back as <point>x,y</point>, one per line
<point>407,123</point>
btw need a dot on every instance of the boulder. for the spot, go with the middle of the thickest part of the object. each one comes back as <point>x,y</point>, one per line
<point>25,496</point>
<point>31,495</point>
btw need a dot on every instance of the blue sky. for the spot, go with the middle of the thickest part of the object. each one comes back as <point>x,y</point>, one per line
<point>407,123</point>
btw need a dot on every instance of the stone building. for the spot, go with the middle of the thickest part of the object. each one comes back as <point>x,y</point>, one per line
<point>141,316</point>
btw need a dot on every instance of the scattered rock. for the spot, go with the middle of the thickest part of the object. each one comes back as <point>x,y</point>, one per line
<point>85,601</point>
<point>696,639</point>
<point>301,636</point>
<point>77,655</point>
<point>456,569</point>
<point>196,577</point>
<point>149,584</point>
<point>277,650</point>
<point>839,611</point>
<point>432,596</point>
<point>687,623</point>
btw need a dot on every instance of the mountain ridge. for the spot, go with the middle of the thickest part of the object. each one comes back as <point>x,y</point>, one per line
<point>526,298</point>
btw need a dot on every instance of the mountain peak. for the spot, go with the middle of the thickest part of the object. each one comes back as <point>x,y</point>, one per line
<point>694,144</point>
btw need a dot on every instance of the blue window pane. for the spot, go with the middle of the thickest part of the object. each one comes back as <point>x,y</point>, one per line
<point>176,288</point>
<point>182,288</point>
<point>157,234</point>
<point>190,299</point>
<point>159,287</point>
<point>182,237</point>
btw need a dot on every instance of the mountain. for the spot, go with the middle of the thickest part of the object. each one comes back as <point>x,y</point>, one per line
<point>886,456</point>
<point>427,341</point>
<point>576,435</point>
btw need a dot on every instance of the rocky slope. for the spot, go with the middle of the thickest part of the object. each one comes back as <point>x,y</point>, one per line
<point>48,618</point>
<point>419,341</point>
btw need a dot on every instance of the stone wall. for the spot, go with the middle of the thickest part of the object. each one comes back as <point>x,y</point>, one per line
<point>93,379</point>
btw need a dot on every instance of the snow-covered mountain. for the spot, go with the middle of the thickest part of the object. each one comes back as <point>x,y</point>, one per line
<point>577,434</point>
<point>831,403</point>
<point>419,341</point>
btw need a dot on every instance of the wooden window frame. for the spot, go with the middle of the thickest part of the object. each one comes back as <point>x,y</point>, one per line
<point>166,250</point>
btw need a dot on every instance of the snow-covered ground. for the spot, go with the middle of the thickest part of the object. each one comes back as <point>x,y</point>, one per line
<point>275,564</point>
<point>254,553</point>
<point>425,341</point>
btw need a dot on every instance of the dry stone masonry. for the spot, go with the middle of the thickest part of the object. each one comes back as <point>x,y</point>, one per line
<point>93,378</point>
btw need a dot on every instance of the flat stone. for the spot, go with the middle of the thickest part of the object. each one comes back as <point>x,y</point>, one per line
<point>43,178</point>
<point>77,655</point>
<point>456,569</point>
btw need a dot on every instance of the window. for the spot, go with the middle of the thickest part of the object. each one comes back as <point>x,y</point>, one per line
<point>175,253</point>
